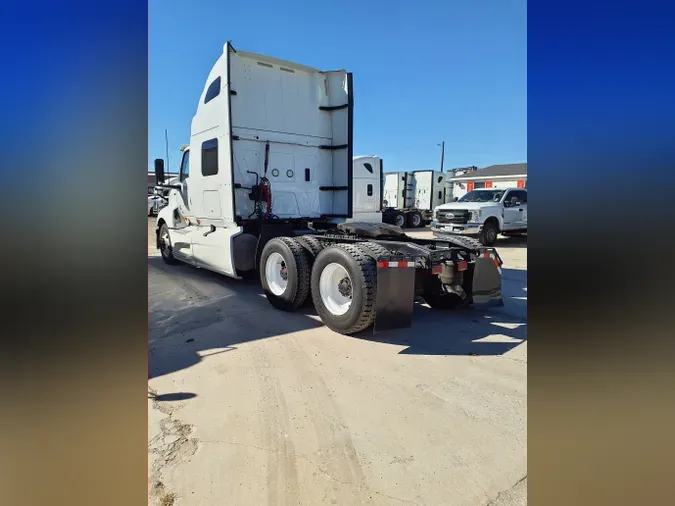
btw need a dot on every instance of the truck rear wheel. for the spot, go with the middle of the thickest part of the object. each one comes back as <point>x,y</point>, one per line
<point>415,219</point>
<point>376,249</point>
<point>284,273</point>
<point>312,243</point>
<point>344,283</point>
<point>399,220</point>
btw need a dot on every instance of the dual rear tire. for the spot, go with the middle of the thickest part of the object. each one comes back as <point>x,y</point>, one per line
<point>341,278</point>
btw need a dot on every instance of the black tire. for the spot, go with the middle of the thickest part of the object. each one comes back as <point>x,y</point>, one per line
<point>296,262</point>
<point>376,249</point>
<point>314,247</point>
<point>415,219</point>
<point>313,244</point>
<point>165,247</point>
<point>362,271</point>
<point>399,220</point>
<point>488,235</point>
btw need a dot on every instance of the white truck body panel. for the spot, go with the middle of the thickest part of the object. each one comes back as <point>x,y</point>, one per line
<point>398,189</point>
<point>429,189</point>
<point>250,104</point>
<point>367,199</point>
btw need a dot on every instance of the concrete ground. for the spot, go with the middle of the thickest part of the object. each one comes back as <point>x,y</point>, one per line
<point>250,405</point>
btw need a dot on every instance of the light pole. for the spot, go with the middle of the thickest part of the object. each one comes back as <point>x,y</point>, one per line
<point>442,145</point>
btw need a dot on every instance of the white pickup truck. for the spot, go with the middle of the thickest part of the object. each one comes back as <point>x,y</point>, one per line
<point>483,213</point>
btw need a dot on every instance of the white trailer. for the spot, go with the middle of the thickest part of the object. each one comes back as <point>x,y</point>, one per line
<point>429,191</point>
<point>266,186</point>
<point>398,190</point>
<point>410,197</point>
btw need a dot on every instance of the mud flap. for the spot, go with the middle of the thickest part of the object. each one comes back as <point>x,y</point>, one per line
<point>395,297</point>
<point>487,281</point>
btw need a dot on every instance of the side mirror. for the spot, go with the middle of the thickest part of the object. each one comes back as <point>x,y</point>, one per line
<point>159,170</point>
<point>455,199</point>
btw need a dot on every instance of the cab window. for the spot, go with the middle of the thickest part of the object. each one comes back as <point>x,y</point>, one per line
<point>185,166</point>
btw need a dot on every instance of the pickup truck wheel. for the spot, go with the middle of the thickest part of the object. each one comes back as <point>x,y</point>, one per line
<point>165,247</point>
<point>415,219</point>
<point>399,220</point>
<point>488,235</point>
<point>284,273</point>
<point>344,283</point>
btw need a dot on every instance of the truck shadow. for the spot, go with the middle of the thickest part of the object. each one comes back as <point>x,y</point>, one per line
<point>462,332</point>
<point>516,241</point>
<point>194,314</point>
<point>469,331</point>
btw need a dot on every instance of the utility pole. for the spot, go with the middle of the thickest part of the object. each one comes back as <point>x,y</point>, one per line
<point>442,145</point>
<point>166,142</point>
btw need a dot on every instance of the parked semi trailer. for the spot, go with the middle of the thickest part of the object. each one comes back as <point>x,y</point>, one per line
<point>410,197</point>
<point>266,187</point>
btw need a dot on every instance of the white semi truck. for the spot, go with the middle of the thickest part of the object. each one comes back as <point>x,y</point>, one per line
<point>410,197</point>
<point>266,188</point>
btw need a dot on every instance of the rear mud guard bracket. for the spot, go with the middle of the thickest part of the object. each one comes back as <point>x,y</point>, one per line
<point>395,295</point>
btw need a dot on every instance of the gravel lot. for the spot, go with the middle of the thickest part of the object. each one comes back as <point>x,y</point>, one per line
<point>249,405</point>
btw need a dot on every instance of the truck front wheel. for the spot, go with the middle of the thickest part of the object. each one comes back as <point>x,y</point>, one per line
<point>284,273</point>
<point>344,283</point>
<point>165,247</point>
<point>488,235</point>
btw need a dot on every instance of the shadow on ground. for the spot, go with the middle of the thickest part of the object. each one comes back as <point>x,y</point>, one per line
<point>461,332</point>
<point>175,396</point>
<point>200,314</point>
<point>194,314</point>
<point>516,241</point>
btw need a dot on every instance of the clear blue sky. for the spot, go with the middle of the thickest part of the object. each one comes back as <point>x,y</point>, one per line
<point>424,72</point>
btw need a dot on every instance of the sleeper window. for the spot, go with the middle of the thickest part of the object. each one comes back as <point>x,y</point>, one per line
<point>210,157</point>
<point>213,91</point>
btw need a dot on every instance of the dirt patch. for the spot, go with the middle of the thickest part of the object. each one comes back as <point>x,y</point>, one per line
<point>173,444</point>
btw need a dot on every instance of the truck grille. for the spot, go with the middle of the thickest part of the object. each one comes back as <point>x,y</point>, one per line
<point>458,216</point>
